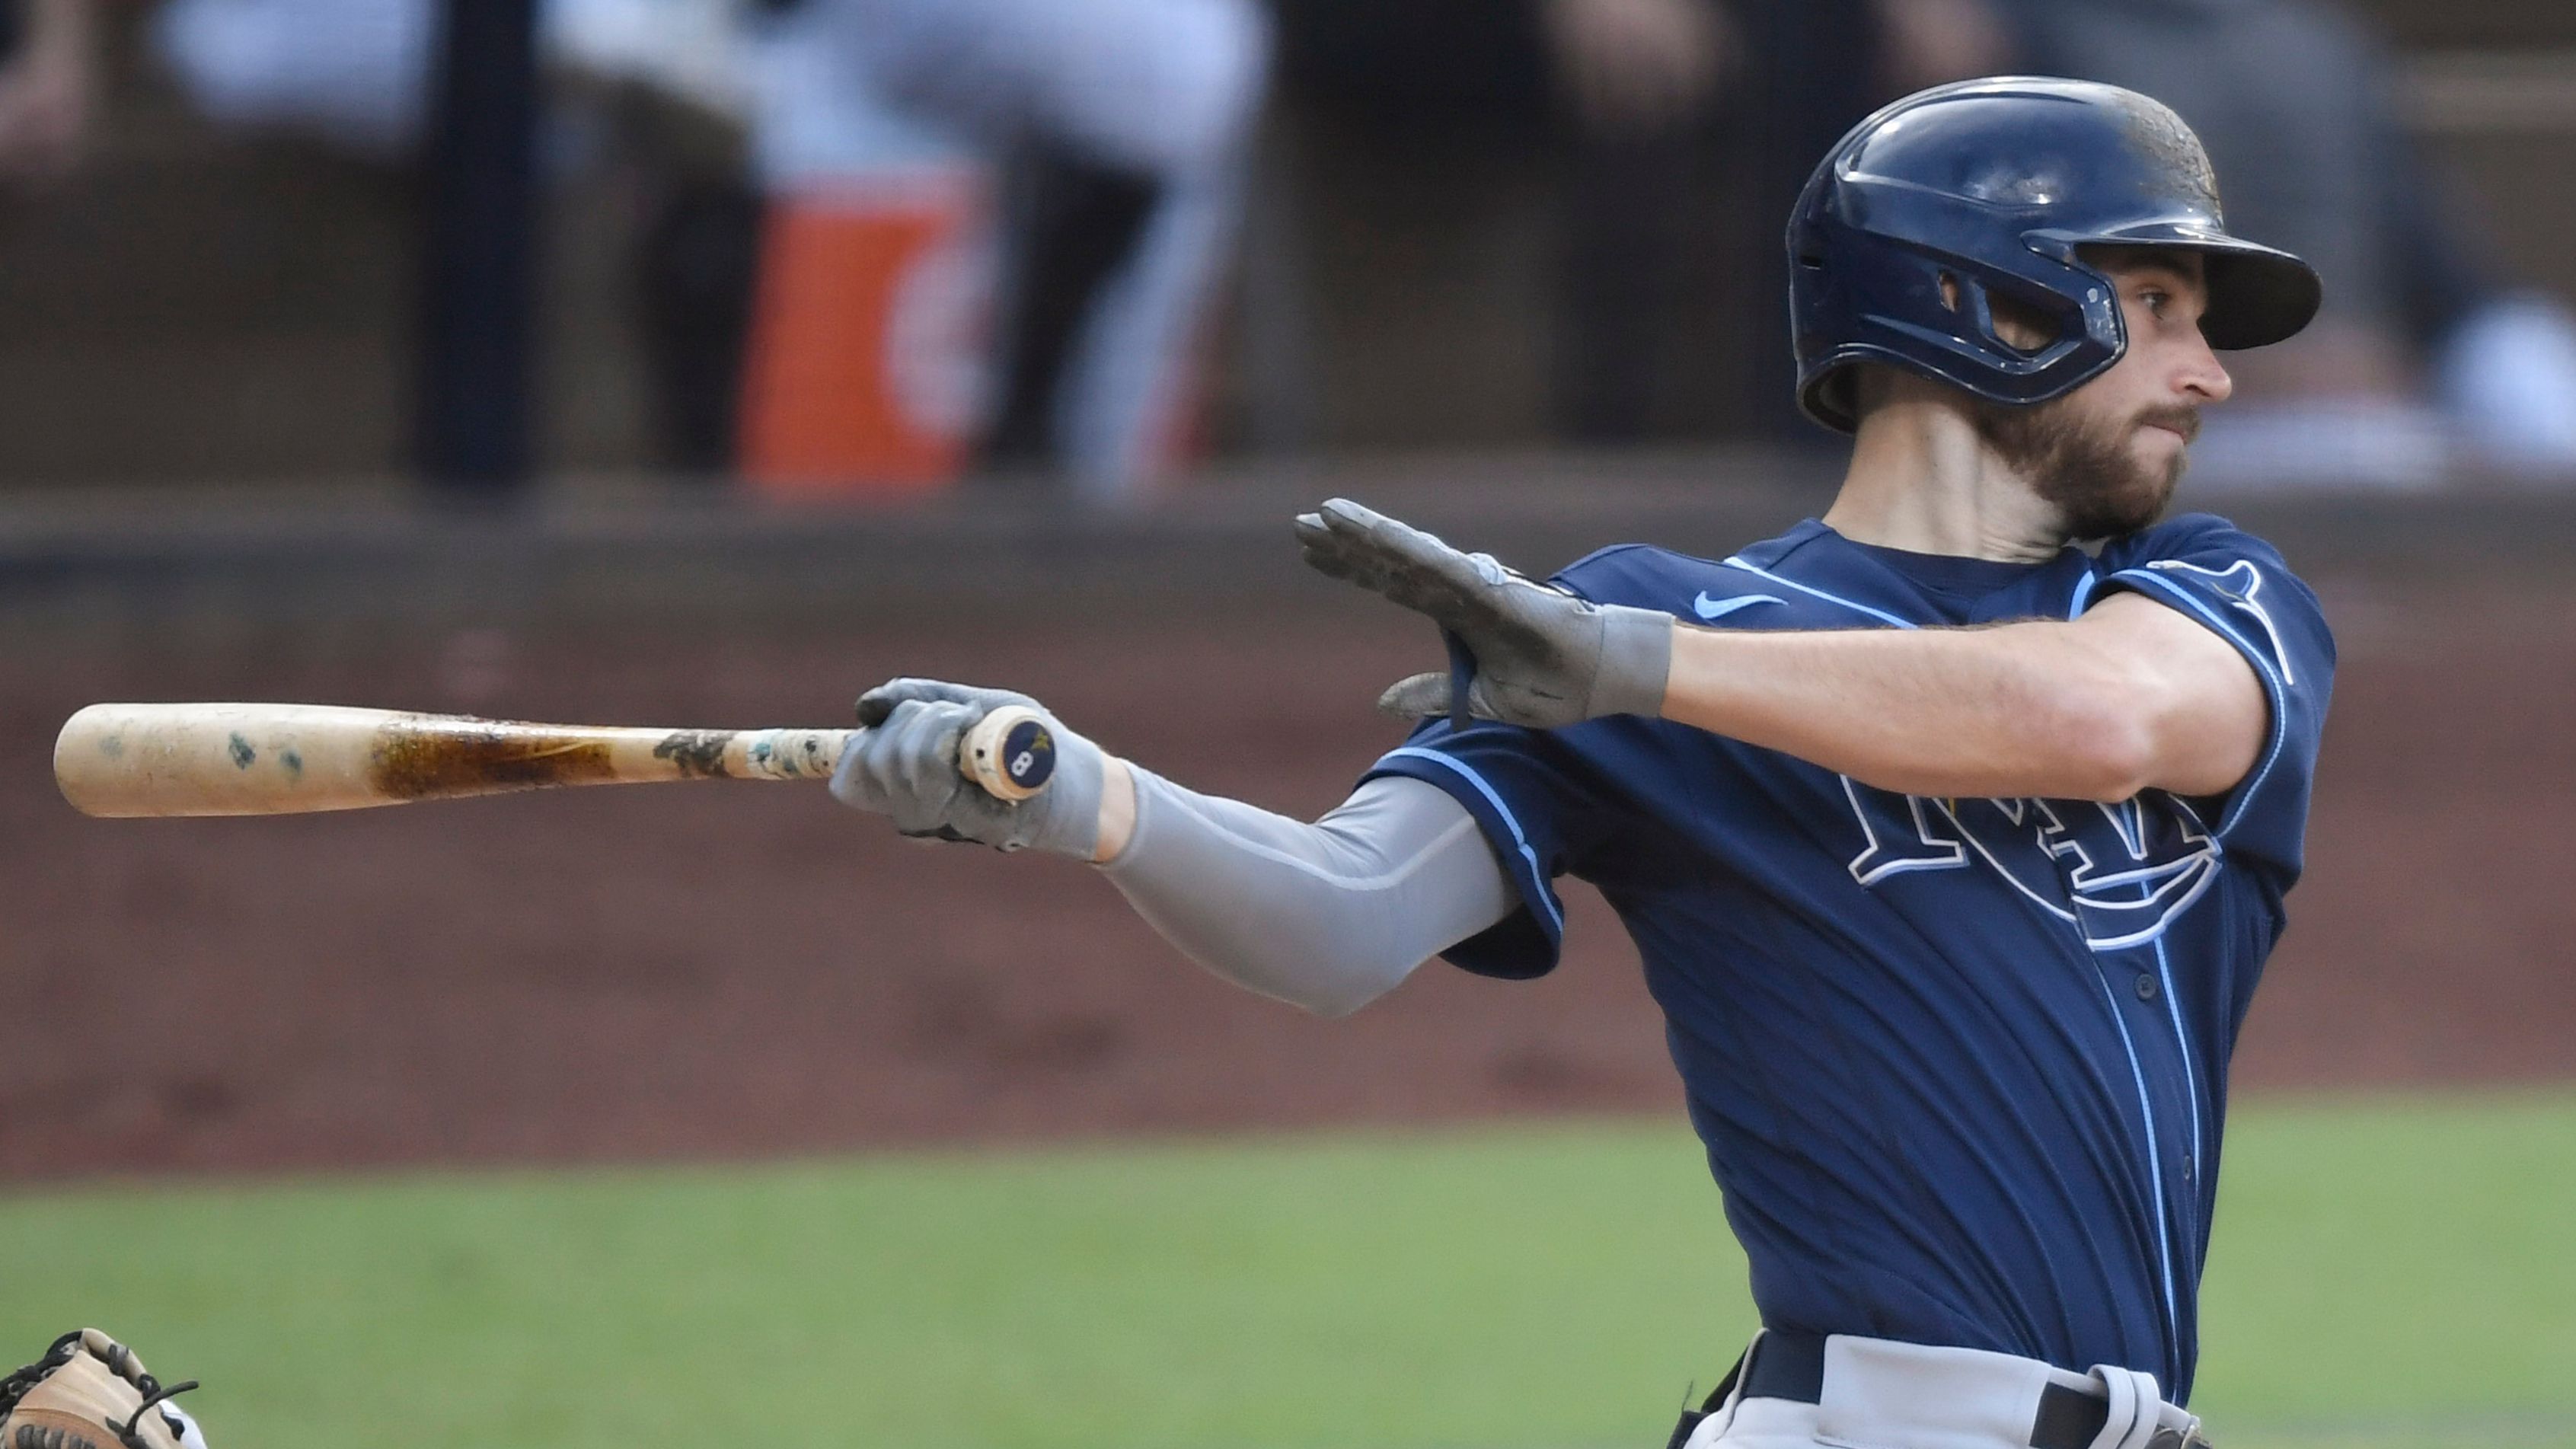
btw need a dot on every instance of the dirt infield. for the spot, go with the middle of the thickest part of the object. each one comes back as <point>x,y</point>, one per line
<point>736,969</point>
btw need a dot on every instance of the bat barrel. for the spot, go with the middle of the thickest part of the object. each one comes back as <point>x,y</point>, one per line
<point>217,759</point>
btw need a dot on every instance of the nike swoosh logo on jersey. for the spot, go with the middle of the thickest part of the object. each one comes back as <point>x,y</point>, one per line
<point>1708,608</point>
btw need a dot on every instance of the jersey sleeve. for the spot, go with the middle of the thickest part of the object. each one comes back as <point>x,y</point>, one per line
<point>1539,806</point>
<point>1526,800</point>
<point>2237,586</point>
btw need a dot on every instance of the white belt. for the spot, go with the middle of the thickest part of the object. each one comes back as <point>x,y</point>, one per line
<point>1879,1394</point>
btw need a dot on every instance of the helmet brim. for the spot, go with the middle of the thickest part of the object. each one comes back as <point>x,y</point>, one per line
<point>2258,295</point>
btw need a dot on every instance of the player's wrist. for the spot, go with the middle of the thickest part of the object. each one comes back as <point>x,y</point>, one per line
<point>1117,813</point>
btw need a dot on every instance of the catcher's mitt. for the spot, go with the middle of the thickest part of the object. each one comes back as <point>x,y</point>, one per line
<point>90,1392</point>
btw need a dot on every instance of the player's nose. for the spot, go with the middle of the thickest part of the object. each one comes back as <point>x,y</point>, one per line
<point>2199,376</point>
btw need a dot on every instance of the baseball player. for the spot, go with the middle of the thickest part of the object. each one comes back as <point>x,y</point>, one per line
<point>1952,827</point>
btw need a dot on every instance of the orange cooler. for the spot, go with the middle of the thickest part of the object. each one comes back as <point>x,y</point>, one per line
<point>864,371</point>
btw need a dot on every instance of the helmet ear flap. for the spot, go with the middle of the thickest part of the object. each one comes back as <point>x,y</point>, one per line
<point>2025,326</point>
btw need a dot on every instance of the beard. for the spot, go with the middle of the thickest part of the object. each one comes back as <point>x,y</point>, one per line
<point>2083,465</point>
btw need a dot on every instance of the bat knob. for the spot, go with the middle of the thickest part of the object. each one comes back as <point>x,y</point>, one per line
<point>1010,753</point>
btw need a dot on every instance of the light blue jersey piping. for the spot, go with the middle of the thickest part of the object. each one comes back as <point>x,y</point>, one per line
<point>2262,667</point>
<point>1520,840</point>
<point>2155,1156</point>
<point>2190,1072</point>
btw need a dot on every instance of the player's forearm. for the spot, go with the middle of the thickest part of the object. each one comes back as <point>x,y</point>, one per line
<point>1328,916</point>
<point>2018,709</point>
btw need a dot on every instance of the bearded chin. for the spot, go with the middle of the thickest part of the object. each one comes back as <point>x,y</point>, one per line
<point>2081,466</point>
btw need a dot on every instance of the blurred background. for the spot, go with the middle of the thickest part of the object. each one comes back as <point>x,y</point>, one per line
<point>701,362</point>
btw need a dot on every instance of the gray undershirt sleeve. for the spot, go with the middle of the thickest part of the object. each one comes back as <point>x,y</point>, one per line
<point>1328,916</point>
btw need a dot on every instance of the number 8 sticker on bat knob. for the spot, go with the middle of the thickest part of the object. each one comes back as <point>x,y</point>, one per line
<point>1010,753</point>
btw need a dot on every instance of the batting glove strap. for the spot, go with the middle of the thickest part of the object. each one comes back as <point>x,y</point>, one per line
<point>1636,662</point>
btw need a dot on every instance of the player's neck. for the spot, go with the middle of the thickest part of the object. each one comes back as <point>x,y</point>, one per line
<point>1923,480</point>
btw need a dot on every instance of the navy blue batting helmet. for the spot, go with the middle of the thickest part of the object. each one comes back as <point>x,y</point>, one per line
<point>1942,201</point>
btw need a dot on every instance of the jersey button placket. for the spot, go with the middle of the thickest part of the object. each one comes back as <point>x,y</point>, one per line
<point>2147,988</point>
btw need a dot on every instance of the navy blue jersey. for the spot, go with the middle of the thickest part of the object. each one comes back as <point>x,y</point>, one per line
<point>1959,1064</point>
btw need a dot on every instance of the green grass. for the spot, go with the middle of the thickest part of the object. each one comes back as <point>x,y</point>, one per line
<point>2386,1274</point>
<point>2396,1260</point>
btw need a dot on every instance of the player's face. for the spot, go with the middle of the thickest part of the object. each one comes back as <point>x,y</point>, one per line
<point>2109,453</point>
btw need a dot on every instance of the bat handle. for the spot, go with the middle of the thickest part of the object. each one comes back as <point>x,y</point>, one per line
<point>1009,752</point>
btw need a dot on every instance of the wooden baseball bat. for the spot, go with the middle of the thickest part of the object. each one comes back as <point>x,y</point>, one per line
<point>282,759</point>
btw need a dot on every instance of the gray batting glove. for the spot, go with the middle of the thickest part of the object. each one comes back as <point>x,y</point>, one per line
<point>903,765</point>
<point>1544,658</point>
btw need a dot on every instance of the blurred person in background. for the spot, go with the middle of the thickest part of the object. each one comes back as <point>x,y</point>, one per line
<point>655,92</point>
<point>1629,89</point>
<point>1121,130</point>
<point>1635,85</point>
<point>1685,128</point>
<point>48,82</point>
<point>354,74</point>
<point>1119,124</point>
<point>2424,355</point>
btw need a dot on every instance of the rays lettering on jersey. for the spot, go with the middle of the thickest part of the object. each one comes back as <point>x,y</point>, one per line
<point>2119,874</point>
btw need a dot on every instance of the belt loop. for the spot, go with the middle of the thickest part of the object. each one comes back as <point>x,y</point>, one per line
<point>1717,1396</point>
<point>1690,1420</point>
<point>2136,1407</point>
